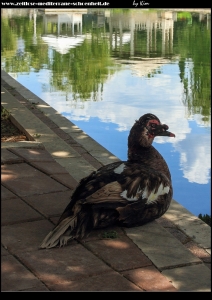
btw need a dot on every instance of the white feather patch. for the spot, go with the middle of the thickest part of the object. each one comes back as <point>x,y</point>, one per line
<point>119,169</point>
<point>153,196</point>
<point>144,194</point>
<point>133,198</point>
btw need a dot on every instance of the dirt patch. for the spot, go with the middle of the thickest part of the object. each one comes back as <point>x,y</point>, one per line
<point>9,132</point>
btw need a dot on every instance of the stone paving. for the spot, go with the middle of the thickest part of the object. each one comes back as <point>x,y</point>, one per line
<point>32,200</point>
<point>169,254</point>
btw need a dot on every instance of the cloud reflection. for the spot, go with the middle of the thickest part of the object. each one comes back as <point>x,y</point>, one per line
<point>126,98</point>
<point>195,158</point>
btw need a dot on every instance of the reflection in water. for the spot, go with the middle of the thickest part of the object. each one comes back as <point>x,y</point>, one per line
<point>63,44</point>
<point>63,31</point>
<point>103,69</point>
<point>195,167</point>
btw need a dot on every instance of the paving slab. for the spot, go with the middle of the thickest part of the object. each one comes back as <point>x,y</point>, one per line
<point>22,144</point>
<point>107,282</point>
<point>149,279</point>
<point>8,157</point>
<point>15,277</point>
<point>50,204</point>
<point>77,167</point>
<point>4,251</point>
<point>208,250</point>
<point>24,237</point>
<point>50,168</point>
<point>33,155</point>
<point>199,252</point>
<point>160,246</point>
<point>122,247</point>
<point>66,179</point>
<point>93,161</point>
<point>164,222</point>
<point>34,185</point>
<point>194,227</point>
<point>195,278</point>
<point>96,150</point>
<point>35,181</point>
<point>58,149</point>
<point>16,211</point>
<point>18,171</point>
<point>6,194</point>
<point>73,262</point>
<point>178,234</point>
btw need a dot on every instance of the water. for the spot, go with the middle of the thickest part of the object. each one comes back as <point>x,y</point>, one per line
<point>103,69</point>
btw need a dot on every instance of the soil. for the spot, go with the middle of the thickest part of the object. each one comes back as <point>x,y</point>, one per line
<point>10,133</point>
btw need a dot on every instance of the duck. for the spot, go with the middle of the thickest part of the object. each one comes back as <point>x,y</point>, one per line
<point>124,193</point>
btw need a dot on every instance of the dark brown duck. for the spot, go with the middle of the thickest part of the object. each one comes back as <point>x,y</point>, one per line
<point>125,193</point>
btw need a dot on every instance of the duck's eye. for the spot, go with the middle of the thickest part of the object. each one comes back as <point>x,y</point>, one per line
<point>153,125</point>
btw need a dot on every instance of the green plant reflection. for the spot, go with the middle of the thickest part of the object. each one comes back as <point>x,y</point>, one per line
<point>84,68</point>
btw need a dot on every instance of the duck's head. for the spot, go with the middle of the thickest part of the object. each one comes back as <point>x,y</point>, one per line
<point>145,130</point>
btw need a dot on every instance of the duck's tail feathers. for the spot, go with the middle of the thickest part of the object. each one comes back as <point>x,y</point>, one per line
<point>61,234</point>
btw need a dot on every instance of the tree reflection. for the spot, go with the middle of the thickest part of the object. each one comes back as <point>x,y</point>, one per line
<point>84,68</point>
<point>193,42</point>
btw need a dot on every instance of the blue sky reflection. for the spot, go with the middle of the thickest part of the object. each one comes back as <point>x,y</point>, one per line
<point>124,99</point>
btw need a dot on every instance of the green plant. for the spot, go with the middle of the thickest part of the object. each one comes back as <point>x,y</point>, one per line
<point>205,218</point>
<point>37,135</point>
<point>110,234</point>
<point>5,114</point>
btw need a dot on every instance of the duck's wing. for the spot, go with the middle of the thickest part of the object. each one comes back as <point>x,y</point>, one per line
<point>91,184</point>
<point>119,184</point>
<point>139,194</point>
<point>148,191</point>
<point>132,180</point>
<point>79,216</point>
<point>120,193</point>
